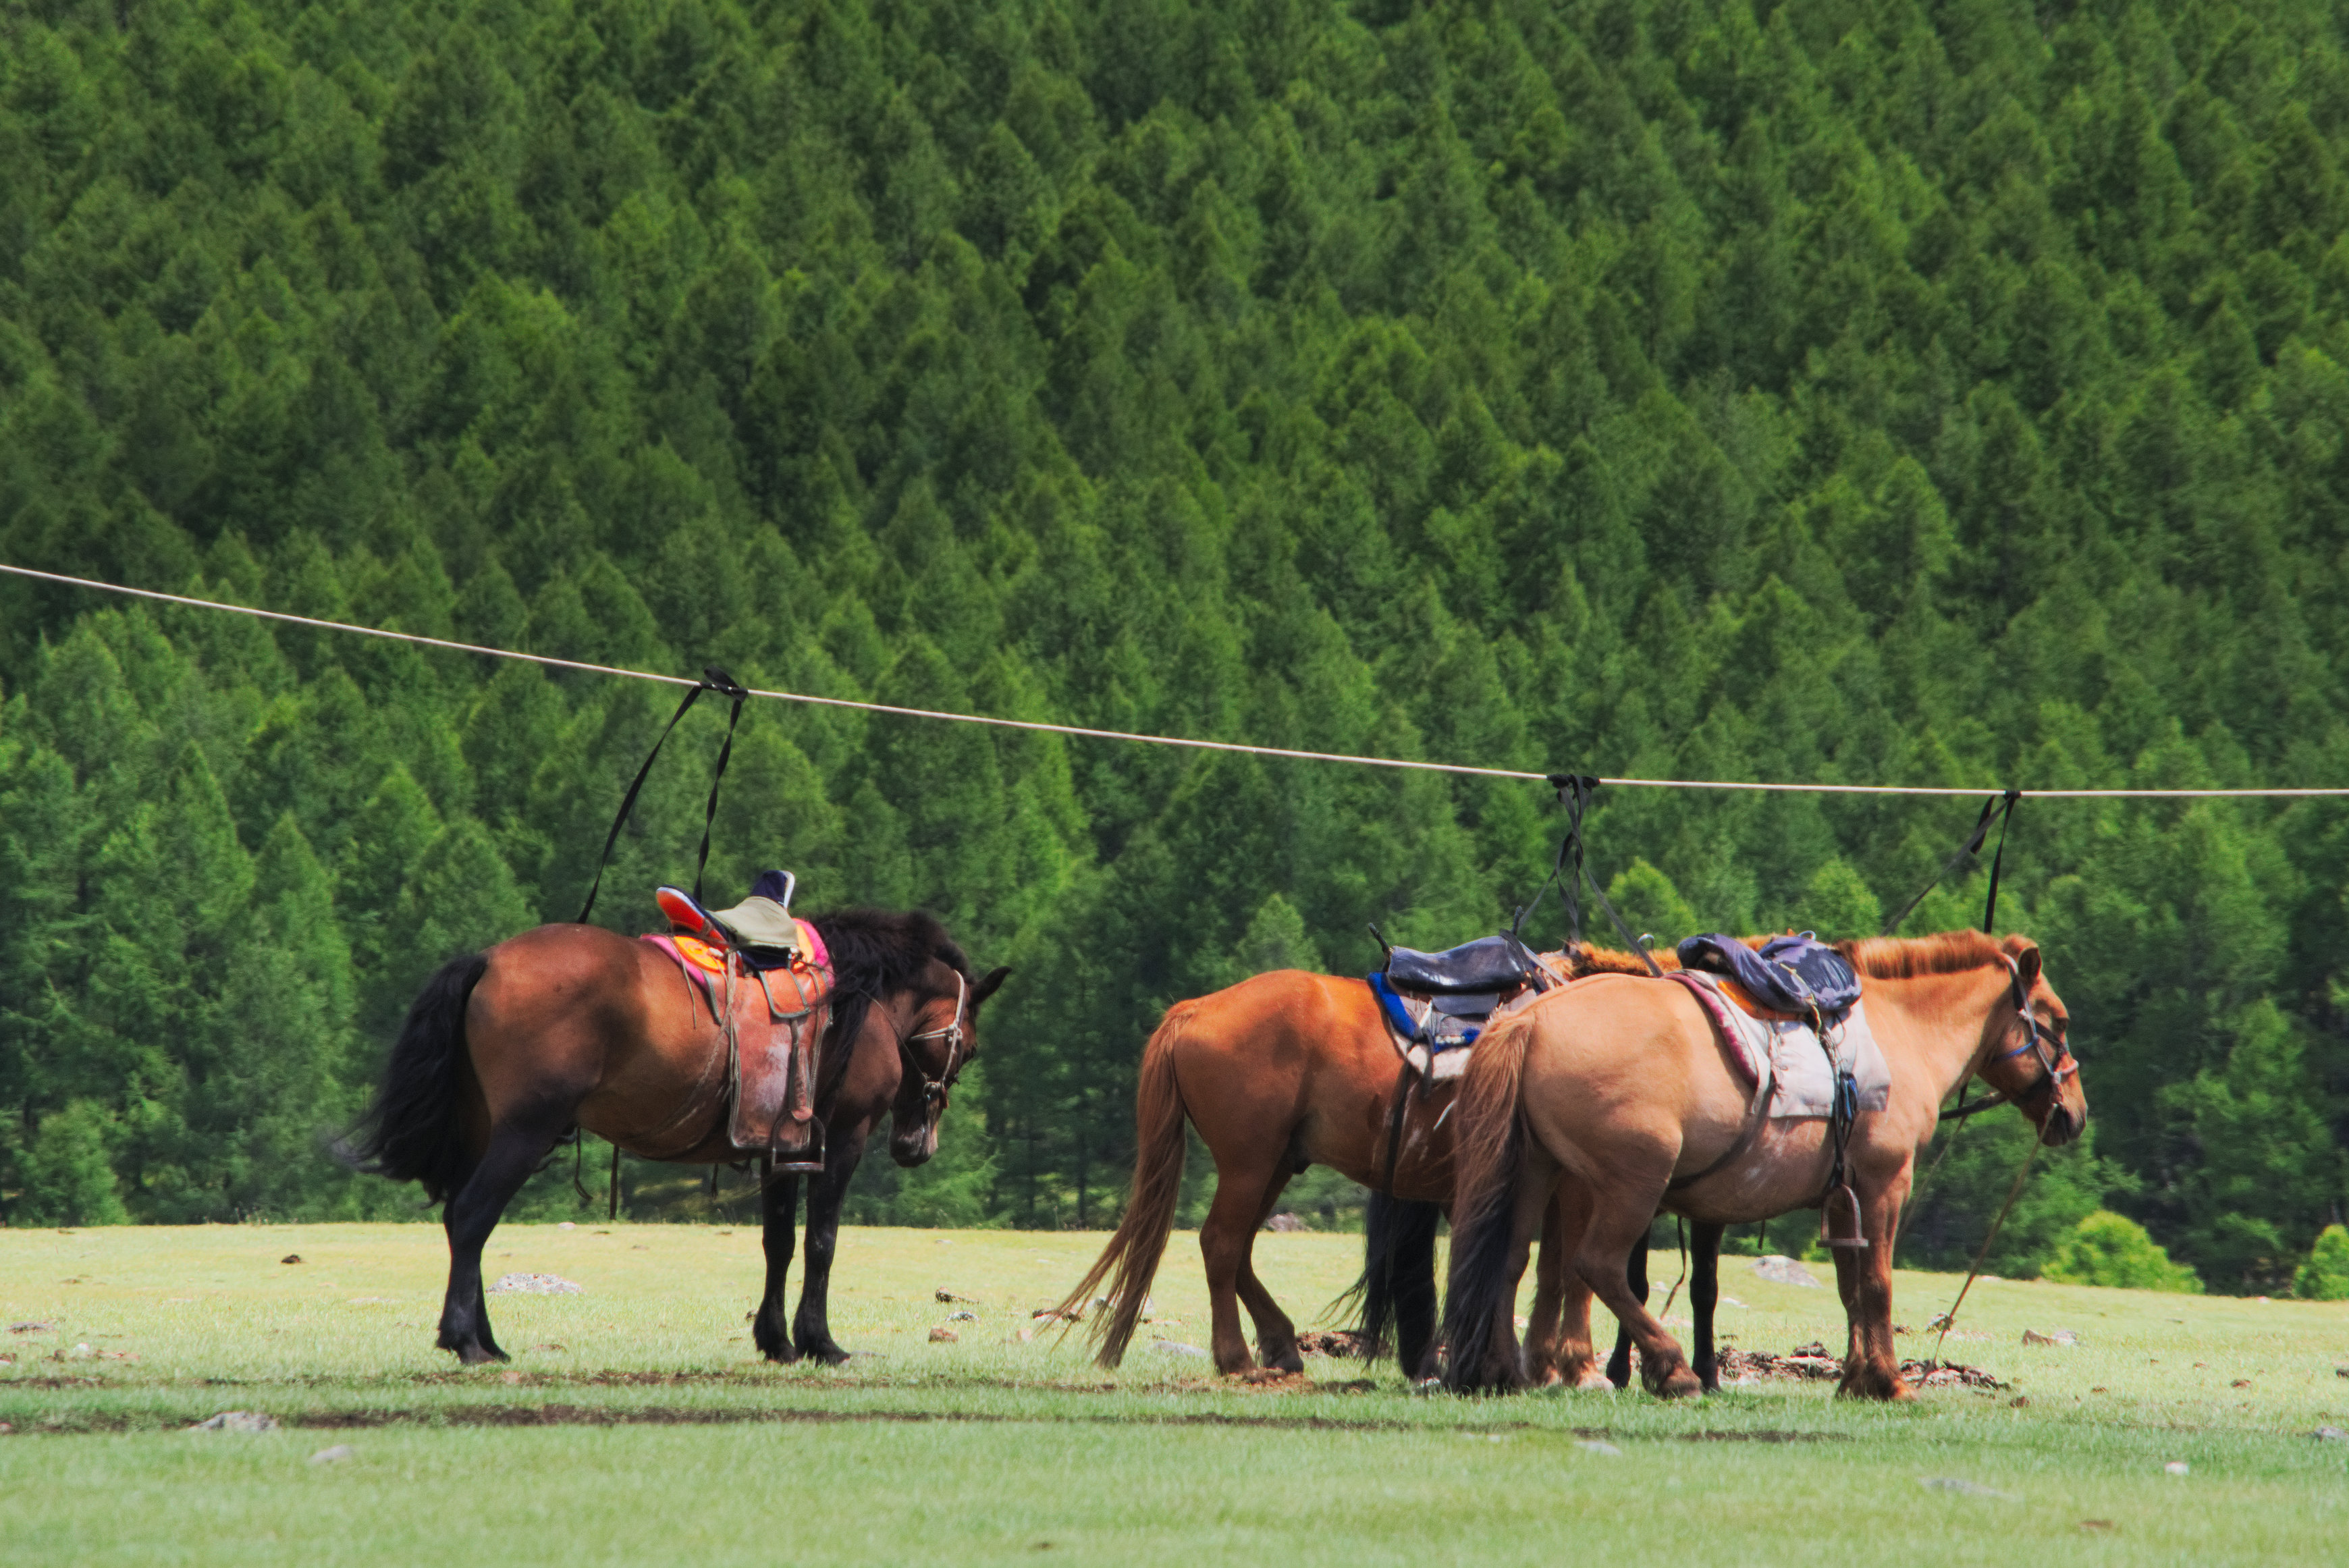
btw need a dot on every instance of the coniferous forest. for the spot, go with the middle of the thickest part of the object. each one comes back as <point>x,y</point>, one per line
<point>1878,391</point>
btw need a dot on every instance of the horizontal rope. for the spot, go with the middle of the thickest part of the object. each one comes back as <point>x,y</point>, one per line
<point>1082,732</point>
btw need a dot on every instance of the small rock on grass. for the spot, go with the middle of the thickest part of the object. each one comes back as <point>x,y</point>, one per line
<point>1596,1446</point>
<point>237,1421</point>
<point>964,1317</point>
<point>333,1456</point>
<point>1785,1270</point>
<point>2332,1435</point>
<point>291,1258</point>
<point>45,1327</point>
<point>950,1297</point>
<point>1957,1484</point>
<point>534,1284</point>
<point>2051,1336</point>
<point>944,1336</point>
<point>2177,1467</point>
<point>1176,1347</point>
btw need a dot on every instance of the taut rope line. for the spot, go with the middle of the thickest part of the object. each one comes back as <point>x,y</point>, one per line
<point>1087,733</point>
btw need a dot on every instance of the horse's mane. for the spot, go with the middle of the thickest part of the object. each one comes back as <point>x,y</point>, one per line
<point>1906,957</point>
<point>1878,957</point>
<point>877,951</point>
<point>1590,960</point>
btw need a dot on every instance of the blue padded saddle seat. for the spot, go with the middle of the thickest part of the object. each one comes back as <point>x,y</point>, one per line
<point>1489,964</point>
<point>1789,975</point>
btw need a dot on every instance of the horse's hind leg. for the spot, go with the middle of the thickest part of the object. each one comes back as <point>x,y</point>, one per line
<point>1635,1275</point>
<point>1705,1294</point>
<point>1557,1332</point>
<point>1616,1242</point>
<point>1244,1196</point>
<point>1275,1335</point>
<point>778,1212</point>
<point>517,1143</point>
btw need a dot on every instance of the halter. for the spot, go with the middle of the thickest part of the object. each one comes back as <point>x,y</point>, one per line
<point>934,1089</point>
<point>2060,1064</point>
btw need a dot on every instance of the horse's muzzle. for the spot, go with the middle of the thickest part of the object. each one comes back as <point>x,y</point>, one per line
<point>2062,1126</point>
<point>917,1148</point>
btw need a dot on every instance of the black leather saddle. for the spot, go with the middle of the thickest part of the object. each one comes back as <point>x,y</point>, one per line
<point>1487,965</point>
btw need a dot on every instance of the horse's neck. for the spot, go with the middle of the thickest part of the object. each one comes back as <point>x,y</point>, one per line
<point>1942,1018</point>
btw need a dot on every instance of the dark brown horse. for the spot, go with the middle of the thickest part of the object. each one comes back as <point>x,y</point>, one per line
<point>1283,1071</point>
<point>1621,1086</point>
<point>505,1051</point>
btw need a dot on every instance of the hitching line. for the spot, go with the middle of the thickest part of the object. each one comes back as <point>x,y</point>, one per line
<point>1081,731</point>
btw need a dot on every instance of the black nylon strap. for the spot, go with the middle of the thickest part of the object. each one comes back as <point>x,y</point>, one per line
<point>629,800</point>
<point>1965,851</point>
<point>1574,792</point>
<point>724,684</point>
<point>1989,906</point>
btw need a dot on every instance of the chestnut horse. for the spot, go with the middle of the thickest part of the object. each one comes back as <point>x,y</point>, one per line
<point>504,1051</point>
<point>1622,1086</point>
<point>1283,1071</point>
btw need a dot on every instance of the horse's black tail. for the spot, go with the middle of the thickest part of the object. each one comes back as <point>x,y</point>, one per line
<point>1397,1287</point>
<point>410,1132</point>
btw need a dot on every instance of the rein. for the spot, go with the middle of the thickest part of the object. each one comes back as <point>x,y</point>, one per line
<point>2059,1065</point>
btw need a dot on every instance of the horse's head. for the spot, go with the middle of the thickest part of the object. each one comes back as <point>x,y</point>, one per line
<point>939,1043</point>
<point>2027,1054</point>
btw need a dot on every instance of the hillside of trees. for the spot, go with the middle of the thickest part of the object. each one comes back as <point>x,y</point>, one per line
<point>1863,390</point>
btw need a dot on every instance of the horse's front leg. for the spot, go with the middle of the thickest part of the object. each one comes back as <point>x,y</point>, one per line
<point>778,1208</point>
<point>1704,1295</point>
<point>826,1192</point>
<point>1635,1275</point>
<point>518,1141</point>
<point>1872,1369</point>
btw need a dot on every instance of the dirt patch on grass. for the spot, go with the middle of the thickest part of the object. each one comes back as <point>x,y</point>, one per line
<point>69,1424</point>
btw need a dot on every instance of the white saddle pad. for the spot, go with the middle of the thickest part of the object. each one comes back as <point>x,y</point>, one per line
<point>1792,1056</point>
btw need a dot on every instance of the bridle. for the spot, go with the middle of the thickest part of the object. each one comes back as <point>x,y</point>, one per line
<point>2059,1063</point>
<point>934,1089</point>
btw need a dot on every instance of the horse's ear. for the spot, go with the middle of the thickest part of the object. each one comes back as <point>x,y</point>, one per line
<point>2025,953</point>
<point>986,987</point>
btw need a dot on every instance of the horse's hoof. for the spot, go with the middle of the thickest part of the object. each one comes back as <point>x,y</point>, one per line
<point>1288,1361</point>
<point>473,1353</point>
<point>1680,1383</point>
<point>1595,1382</point>
<point>1871,1383</point>
<point>830,1355</point>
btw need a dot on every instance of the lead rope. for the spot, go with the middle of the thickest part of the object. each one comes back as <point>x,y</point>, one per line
<point>1948,1319</point>
<point>1680,1230</point>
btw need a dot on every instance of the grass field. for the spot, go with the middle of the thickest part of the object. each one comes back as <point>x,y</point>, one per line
<point>637,1424</point>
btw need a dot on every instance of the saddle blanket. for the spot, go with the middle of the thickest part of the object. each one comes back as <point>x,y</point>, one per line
<point>1791,1054</point>
<point>1433,1040</point>
<point>770,1023</point>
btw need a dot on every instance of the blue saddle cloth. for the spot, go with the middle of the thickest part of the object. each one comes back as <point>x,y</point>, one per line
<point>1789,975</point>
<point>1452,1021</point>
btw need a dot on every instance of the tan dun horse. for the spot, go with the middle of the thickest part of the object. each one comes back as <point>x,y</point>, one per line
<point>506,1051</point>
<point>1621,1085</point>
<point>1283,1071</point>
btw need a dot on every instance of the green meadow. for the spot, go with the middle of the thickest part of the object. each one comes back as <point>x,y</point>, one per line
<point>637,1423</point>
